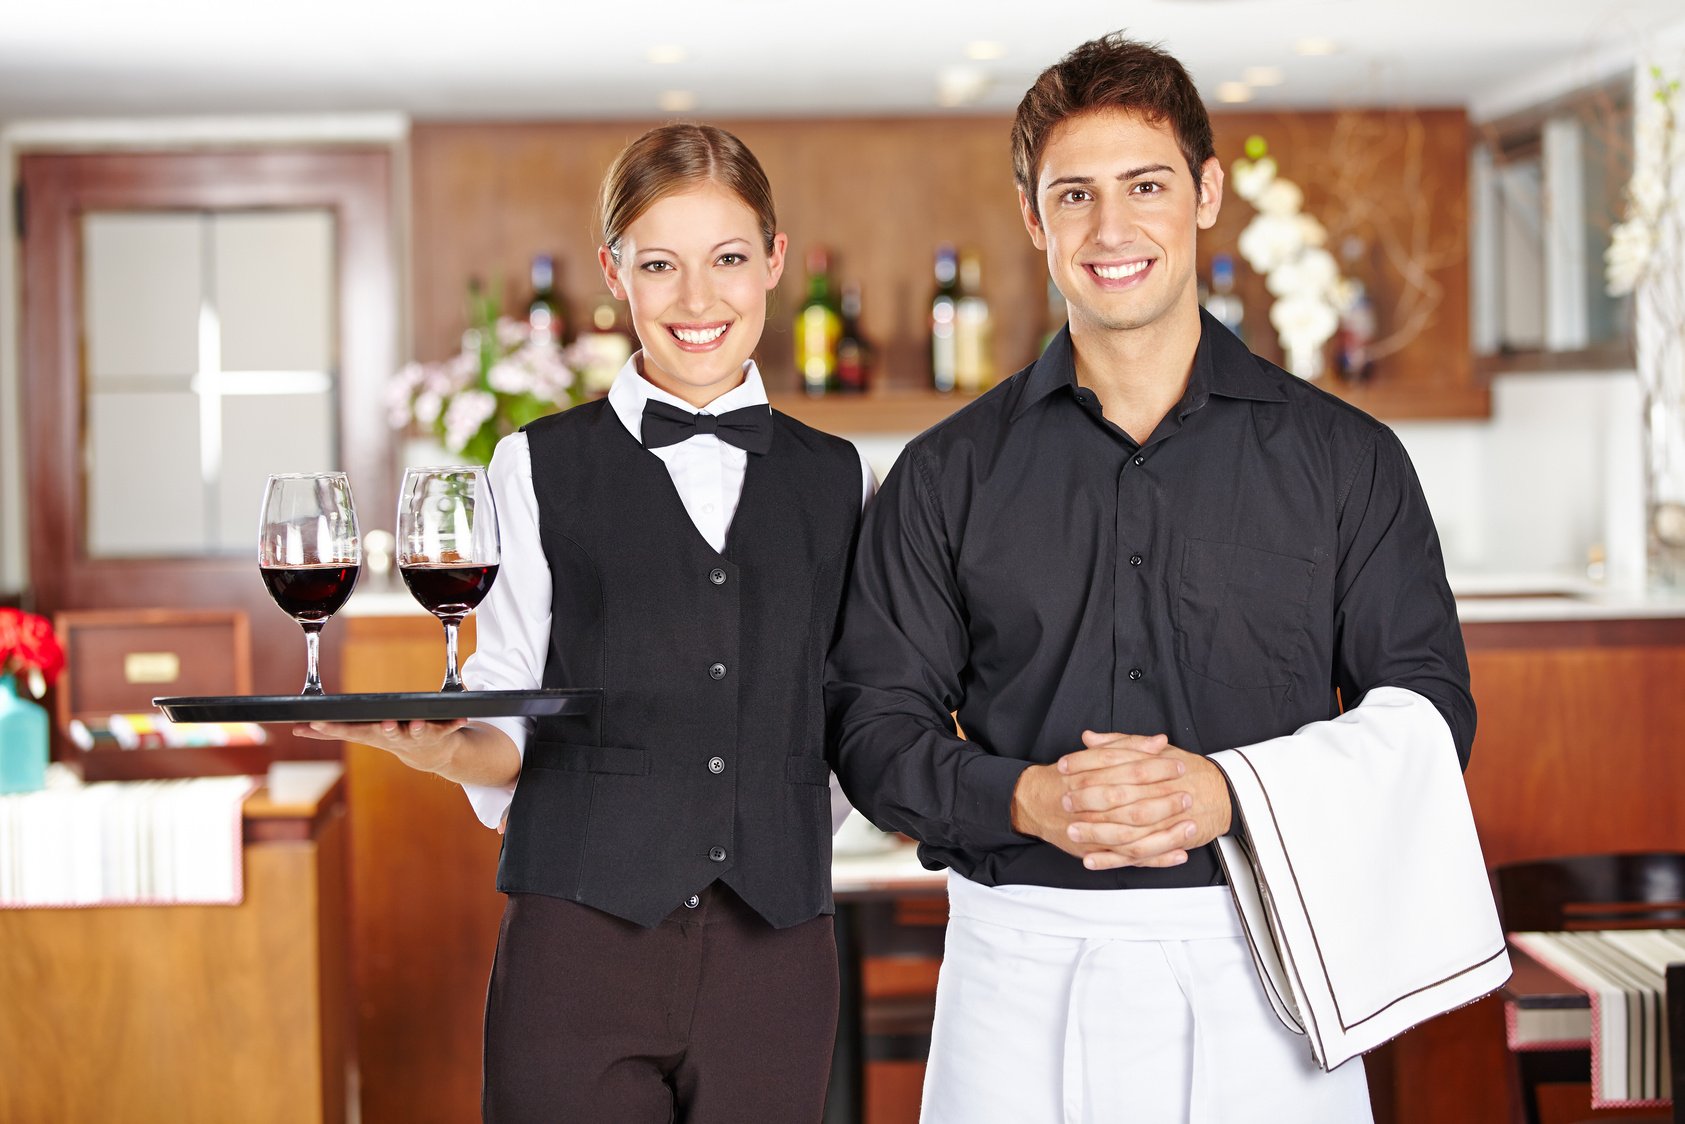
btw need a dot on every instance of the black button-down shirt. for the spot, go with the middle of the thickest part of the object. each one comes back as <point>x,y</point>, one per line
<point>1265,554</point>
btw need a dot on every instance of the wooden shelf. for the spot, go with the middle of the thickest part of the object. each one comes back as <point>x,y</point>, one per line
<point>890,411</point>
<point>1603,357</point>
<point>898,411</point>
<point>1403,401</point>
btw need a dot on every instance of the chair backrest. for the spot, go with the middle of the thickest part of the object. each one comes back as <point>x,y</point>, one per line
<point>1614,891</point>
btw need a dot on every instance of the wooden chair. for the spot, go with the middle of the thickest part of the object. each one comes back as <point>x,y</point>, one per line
<point>1613,891</point>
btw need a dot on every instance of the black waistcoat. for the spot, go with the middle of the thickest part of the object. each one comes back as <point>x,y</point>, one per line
<point>705,759</point>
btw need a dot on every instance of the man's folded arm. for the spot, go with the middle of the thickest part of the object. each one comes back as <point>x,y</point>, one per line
<point>892,682</point>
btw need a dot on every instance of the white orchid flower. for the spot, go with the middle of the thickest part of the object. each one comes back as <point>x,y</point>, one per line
<point>1630,245</point>
<point>1249,178</point>
<point>1303,319</point>
<point>1320,272</point>
<point>1268,241</point>
<point>1312,231</point>
<point>1281,197</point>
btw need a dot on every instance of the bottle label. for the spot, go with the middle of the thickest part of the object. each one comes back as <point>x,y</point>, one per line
<point>817,330</point>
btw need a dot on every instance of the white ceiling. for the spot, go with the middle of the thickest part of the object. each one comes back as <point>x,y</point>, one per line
<point>500,58</point>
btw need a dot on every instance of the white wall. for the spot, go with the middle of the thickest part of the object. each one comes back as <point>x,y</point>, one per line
<point>1553,474</point>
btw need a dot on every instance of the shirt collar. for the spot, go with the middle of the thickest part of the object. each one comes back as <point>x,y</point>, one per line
<point>631,390</point>
<point>1222,366</point>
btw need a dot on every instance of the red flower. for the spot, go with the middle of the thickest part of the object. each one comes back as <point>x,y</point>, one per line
<point>27,644</point>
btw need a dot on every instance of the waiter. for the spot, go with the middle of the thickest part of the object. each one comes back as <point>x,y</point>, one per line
<point>1145,547</point>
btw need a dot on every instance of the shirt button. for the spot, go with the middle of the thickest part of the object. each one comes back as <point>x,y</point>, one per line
<point>1135,559</point>
<point>1140,460</point>
<point>1134,674</point>
<point>716,765</point>
<point>717,670</point>
<point>717,854</point>
<point>693,901</point>
<point>707,509</point>
<point>717,576</point>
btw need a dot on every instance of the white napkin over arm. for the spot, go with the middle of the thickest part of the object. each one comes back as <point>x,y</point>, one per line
<point>1359,876</point>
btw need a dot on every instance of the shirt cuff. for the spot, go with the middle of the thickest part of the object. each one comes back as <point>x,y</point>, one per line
<point>983,804</point>
<point>491,803</point>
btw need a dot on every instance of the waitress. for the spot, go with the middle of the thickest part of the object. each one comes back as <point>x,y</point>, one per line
<point>666,950</point>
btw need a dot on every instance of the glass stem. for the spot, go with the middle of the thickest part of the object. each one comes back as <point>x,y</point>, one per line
<point>312,649</point>
<point>453,681</point>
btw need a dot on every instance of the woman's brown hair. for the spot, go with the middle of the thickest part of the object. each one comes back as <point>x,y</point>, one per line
<point>675,158</point>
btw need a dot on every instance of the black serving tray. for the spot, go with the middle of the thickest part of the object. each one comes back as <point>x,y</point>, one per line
<point>431,705</point>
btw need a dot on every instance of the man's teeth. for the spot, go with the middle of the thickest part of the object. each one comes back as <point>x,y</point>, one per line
<point>699,335</point>
<point>1119,272</point>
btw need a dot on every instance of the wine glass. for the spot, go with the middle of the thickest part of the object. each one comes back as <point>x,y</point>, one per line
<point>448,548</point>
<point>309,553</point>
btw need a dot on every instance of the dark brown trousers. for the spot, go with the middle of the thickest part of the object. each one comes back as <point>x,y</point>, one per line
<point>711,1017</point>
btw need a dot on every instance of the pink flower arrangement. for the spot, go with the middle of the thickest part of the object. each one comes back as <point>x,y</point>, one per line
<point>503,378</point>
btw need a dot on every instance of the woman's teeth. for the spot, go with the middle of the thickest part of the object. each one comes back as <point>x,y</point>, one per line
<point>699,335</point>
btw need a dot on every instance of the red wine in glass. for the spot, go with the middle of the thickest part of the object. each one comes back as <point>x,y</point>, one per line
<point>448,548</point>
<point>310,593</point>
<point>309,553</point>
<point>448,589</point>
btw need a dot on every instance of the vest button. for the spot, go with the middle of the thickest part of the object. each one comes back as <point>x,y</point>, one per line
<point>1135,559</point>
<point>717,854</point>
<point>1134,674</point>
<point>716,765</point>
<point>717,576</point>
<point>693,901</point>
<point>717,670</point>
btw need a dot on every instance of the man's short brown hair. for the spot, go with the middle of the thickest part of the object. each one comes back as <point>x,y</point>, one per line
<point>1112,72</point>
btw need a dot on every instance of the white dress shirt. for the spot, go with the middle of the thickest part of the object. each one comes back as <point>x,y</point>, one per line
<point>513,627</point>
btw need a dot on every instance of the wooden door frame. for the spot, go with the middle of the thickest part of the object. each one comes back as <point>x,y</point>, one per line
<point>354,183</point>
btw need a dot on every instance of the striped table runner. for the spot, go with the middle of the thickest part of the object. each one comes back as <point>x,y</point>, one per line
<point>1623,971</point>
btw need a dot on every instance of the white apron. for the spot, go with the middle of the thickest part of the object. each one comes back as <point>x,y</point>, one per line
<point>1140,1006</point>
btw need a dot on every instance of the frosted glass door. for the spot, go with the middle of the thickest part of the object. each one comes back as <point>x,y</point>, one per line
<point>211,339</point>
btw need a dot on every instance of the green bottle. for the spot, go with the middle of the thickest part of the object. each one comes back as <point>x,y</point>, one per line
<point>818,327</point>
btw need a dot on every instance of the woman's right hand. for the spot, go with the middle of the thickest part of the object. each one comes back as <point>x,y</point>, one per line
<point>428,747</point>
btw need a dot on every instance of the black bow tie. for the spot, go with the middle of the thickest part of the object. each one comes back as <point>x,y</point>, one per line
<point>750,428</point>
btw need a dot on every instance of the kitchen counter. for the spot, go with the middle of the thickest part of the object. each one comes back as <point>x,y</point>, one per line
<point>1514,597</point>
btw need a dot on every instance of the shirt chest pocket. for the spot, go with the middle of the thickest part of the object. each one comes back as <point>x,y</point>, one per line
<point>1241,612</point>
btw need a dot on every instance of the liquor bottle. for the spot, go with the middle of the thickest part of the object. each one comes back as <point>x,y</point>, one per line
<point>1221,301</point>
<point>854,352</point>
<point>974,362</point>
<point>942,314</point>
<point>544,321</point>
<point>1355,336</point>
<point>602,349</point>
<point>818,327</point>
